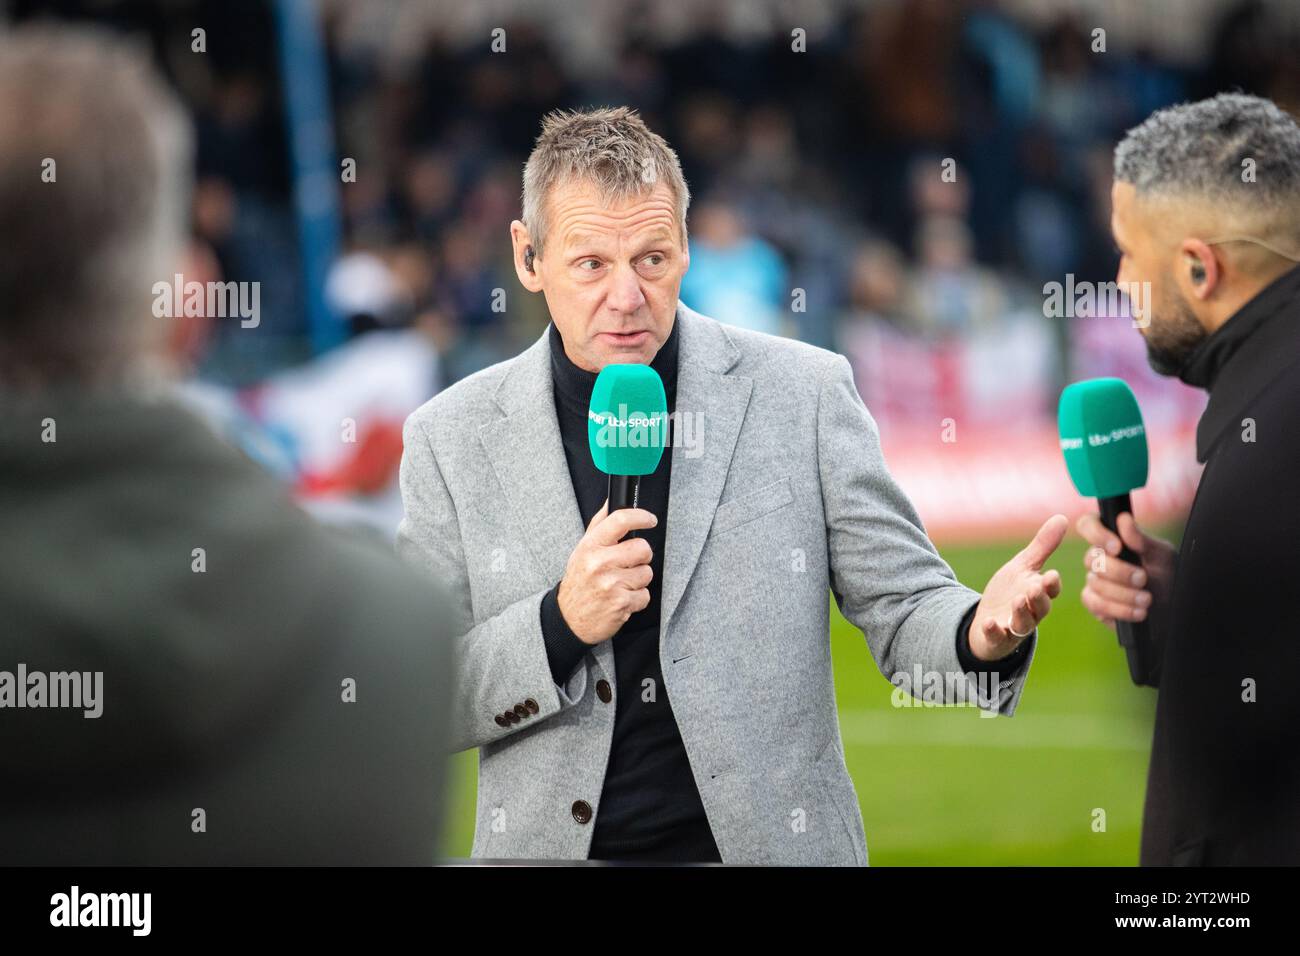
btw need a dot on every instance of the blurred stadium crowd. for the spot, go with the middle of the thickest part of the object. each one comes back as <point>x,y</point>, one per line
<point>817,172</point>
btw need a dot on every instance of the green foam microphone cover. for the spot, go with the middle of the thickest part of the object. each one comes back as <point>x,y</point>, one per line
<point>627,424</point>
<point>1102,437</point>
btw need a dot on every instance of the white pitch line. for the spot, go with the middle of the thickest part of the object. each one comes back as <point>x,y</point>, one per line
<point>1022,732</point>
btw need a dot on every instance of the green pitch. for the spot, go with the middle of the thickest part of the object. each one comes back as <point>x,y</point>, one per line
<point>943,786</point>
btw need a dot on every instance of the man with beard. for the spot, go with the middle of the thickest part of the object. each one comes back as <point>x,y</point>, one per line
<point>1206,208</point>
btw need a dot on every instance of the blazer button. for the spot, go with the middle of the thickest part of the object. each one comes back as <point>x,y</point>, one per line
<point>531,705</point>
<point>603,691</point>
<point>582,811</point>
<point>501,721</point>
<point>522,711</point>
<point>511,716</point>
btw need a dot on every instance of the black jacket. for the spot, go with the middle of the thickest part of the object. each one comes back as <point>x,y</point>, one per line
<point>1224,779</point>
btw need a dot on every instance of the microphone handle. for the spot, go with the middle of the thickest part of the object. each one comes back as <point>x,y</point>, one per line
<point>1134,636</point>
<point>623,491</point>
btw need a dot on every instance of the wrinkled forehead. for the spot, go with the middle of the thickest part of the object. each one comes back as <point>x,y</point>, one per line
<point>580,211</point>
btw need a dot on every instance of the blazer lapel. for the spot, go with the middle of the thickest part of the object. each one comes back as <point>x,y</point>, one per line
<point>527,457</point>
<point>716,403</point>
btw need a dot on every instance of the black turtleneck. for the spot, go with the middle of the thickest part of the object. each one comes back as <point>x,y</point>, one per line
<point>1249,350</point>
<point>650,807</point>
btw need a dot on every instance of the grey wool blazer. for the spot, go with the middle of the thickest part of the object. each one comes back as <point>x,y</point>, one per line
<point>782,495</point>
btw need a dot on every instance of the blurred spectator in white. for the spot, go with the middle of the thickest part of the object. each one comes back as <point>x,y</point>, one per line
<point>343,412</point>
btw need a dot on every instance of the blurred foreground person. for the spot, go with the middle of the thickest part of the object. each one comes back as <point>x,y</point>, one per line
<point>191,670</point>
<point>1207,221</point>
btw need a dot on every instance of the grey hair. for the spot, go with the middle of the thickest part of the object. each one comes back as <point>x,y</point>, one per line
<point>612,149</point>
<point>95,167</point>
<point>1200,148</point>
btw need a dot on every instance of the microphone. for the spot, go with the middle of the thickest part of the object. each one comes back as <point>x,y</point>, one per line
<point>1105,447</point>
<point>627,427</point>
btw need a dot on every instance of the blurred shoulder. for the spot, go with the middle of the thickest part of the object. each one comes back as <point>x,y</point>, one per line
<point>380,586</point>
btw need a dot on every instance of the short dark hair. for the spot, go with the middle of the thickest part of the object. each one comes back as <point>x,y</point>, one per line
<point>1201,147</point>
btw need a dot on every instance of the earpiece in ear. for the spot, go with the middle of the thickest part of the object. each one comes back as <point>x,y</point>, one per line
<point>1198,273</point>
<point>528,258</point>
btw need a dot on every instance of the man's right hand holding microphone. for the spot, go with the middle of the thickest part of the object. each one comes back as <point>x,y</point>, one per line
<point>1116,590</point>
<point>608,578</point>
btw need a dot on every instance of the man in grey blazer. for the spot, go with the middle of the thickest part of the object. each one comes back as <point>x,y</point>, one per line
<point>656,684</point>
